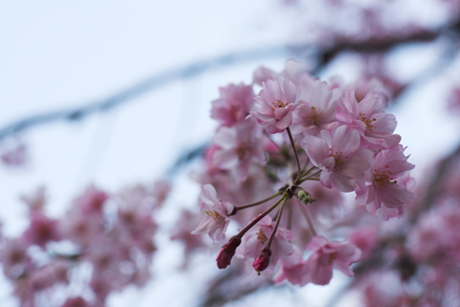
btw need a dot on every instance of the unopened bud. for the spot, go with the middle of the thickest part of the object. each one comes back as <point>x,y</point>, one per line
<point>304,197</point>
<point>262,260</point>
<point>227,251</point>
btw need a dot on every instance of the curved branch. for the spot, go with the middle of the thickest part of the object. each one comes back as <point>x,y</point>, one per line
<point>321,57</point>
<point>151,83</point>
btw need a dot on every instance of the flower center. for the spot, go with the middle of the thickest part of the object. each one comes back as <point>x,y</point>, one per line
<point>213,214</point>
<point>279,104</point>
<point>382,178</point>
<point>332,257</point>
<point>261,236</point>
<point>241,152</point>
<point>367,121</point>
<point>315,116</point>
<point>339,161</point>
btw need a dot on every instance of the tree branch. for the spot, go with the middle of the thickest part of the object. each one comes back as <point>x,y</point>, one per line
<point>149,84</point>
<point>321,56</point>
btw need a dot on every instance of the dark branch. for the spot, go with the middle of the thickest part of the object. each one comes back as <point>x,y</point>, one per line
<point>151,83</point>
<point>321,56</point>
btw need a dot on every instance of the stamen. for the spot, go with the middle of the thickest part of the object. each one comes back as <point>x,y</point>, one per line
<point>315,116</point>
<point>339,160</point>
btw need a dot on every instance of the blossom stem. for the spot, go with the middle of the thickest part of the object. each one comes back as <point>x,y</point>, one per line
<point>309,176</point>
<point>270,240</point>
<point>308,171</point>
<point>310,224</point>
<point>306,164</point>
<point>237,208</point>
<point>295,153</point>
<point>261,216</point>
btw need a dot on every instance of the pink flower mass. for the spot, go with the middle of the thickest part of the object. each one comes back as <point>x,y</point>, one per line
<point>298,175</point>
<point>314,131</point>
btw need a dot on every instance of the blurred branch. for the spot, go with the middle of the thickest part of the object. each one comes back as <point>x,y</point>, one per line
<point>434,187</point>
<point>321,56</point>
<point>149,84</point>
<point>232,285</point>
<point>186,158</point>
<point>381,44</point>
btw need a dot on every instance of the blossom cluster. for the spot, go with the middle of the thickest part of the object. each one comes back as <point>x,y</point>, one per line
<point>301,143</point>
<point>102,244</point>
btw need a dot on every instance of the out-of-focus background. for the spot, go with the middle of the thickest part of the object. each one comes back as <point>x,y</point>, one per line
<point>59,55</point>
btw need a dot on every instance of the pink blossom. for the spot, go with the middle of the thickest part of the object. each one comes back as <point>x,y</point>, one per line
<point>14,258</point>
<point>239,148</point>
<point>276,101</point>
<point>233,105</point>
<point>293,269</point>
<point>35,201</point>
<point>339,155</point>
<point>326,256</point>
<point>14,154</point>
<point>42,229</point>
<point>80,228</point>
<point>49,275</point>
<point>185,224</point>
<point>216,211</point>
<point>454,99</point>
<point>385,191</point>
<point>292,70</point>
<point>318,111</point>
<point>328,202</point>
<point>366,239</point>
<point>92,201</point>
<point>255,240</point>
<point>160,191</point>
<point>75,302</point>
<point>369,118</point>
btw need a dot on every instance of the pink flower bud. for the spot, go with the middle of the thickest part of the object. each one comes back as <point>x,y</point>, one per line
<point>262,260</point>
<point>227,251</point>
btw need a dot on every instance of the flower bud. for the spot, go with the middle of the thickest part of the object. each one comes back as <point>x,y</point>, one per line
<point>304,196</point>
<point>227,251</point>
<point>262,260</point>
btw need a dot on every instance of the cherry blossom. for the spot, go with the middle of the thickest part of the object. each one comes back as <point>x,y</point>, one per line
<point>216,213</point>
<point>234,104</point>
<point>318,110</point>
<point>385,191</point>
<point>327,255</point>
<point>239,148</point>
<point>369,118</point>
<point>340,157</point>
<point>276,101</point>
<point>255,240</point>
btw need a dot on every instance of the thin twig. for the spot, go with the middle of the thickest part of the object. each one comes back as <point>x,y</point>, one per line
<point>257,202</point>
<point>299,170</point>
<point>155,81</point>
<point>305,214</point>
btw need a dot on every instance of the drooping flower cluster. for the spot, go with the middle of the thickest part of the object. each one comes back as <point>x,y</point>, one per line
<point>273,146</point>
<point>111,235</point>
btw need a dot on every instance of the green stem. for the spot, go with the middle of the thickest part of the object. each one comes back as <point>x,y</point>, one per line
<point>257,219</point>
<point>270,240</point>
<point>295,153</point>
<point>305,214</point>
<point>256,203</point>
